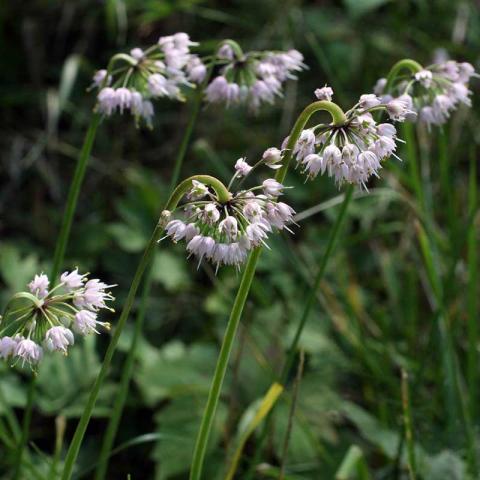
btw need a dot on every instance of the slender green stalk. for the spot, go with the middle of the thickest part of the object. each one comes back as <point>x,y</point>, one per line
<point>472,301</point>
<point>176,196</point>
<point>73,194</point>
<point>121,396</point>
<point>407,421</point>
<point>27,418</point>
<point>215,389</point>
<point>222,364</point>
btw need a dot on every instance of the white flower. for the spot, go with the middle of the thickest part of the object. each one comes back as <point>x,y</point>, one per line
<point>85,322</point>
<point>460,93</point>
<point>332,155</point>
<point>271,157</point>
<point>398,109</point>
<point>369,100</point>
<point>225,52</point>
<point>107,101</point>
<point>427,116</point>
<point>39,286</point>
<point>29,351</point>
<point>465,71</point>
<point>123,97</point>
<point>314,164</point>
<point>424,77</point>
<point>157,85</point>
<point>147,112</point>
<point>210,214</point>
<point>252,211</point>
<point>384,147</point>
<point>93,295</point>
<point>229,227</point>
<point>262,92</point>
<point>137,53</point>
<point>257,232</point>
<point>58,338</point>
<point>386,130</point>
<point>99,78</point>
<point>279,214</point>
<point>324,93</point>
<point>305,144</point>
<point>201,246</point>
<point>176,230</point>
<point>272,188</point>
<point>72,280</point>
<point>196,70</point>
<point>136,103</point>
<point>198,191</point>
<point>379,87</point>
<point>242,167</point>
<point>7,347</point>
<point>220,90</point>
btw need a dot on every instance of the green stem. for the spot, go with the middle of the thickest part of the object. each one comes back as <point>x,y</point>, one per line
<point>121,396</point>
<point>207,420</point>
<point>73,197</point>
<point>27,418</point>
<point>176,196</point>
<point>222,363</point>
<point>405,64</point>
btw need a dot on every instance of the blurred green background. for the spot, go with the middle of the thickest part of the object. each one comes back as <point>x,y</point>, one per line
<point>374,313</point>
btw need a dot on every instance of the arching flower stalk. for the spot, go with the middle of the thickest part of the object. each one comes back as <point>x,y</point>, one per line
<point>433,92</point>
<point>223,231</point>
<point>252,78</point>
<point>46,318</point>
<point>353,151</point>
<point>133,80</point>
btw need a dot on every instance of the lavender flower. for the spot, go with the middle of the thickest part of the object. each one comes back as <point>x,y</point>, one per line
<point>49,317</point>
<point>254,78</point>
<point>223,233</point>
<point>432,93</point>
<point>354,151</point>
<point>162,70</point>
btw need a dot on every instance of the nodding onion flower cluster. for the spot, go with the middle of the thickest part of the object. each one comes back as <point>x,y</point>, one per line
<point>252,78</point>
<point>45,318</point>
<point>434,92</point>
<point>224,232</point>
<point>353,151</point>
<point>159,71</point>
